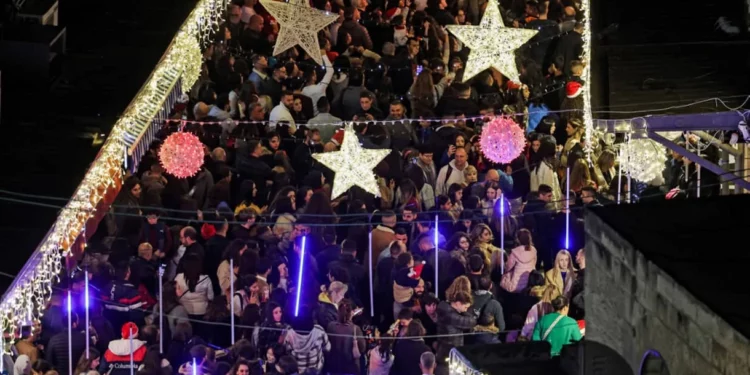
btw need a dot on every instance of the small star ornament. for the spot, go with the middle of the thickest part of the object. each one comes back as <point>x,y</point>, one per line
<point>353,165</point>
<point>492,44</point>
<point>299,24</point>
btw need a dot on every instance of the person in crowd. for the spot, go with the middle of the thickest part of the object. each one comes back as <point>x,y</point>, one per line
<point>427,361</point>
<point>117,359</point>
<point>306,342</point>
<point>408,351</point>
<point>453,319</point>
<point>563,274</point>
<point>521,262</point>
<point>57,353</point>
<point>557,327</point>
<point>346,350</point>
<point>490,319</point>
<point>578,309</point>
<point>193,288</point>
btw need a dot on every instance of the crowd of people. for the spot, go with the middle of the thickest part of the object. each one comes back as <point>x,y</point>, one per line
<point>455,249</point>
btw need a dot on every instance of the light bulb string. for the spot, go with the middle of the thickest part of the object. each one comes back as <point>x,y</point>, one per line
<point>481,117</point>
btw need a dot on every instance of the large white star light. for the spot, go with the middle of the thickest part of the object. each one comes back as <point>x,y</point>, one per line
<point>492,44</point>
<point>353,165</point>
<point>298,25</point>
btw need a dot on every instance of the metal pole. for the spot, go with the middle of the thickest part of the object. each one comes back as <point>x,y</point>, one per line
<point>698,192</point>
<point>161,309</point>
<point>567,209</point>
<point>628,192</point>
<point>436,255</point>
<point>502,232</point>
<point>372,291</point>
<point>231,296</point>
<point>132,369</point>
<point>86,303</point>
<point>70,334</point>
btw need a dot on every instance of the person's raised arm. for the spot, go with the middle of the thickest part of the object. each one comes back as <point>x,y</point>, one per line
<point>329,71</point>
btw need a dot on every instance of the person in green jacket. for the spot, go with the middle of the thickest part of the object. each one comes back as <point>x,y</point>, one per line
<point>557,328</point>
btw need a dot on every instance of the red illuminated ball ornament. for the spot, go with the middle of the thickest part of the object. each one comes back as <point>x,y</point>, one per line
<point>502,140</point>
<point>181,154</point>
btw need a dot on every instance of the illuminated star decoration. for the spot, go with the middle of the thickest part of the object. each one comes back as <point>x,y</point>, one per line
<point>298,25</point>
<point>353,165</point>
<point>492,44</point>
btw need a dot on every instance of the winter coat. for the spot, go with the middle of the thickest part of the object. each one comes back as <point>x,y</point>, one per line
<point>195,302</point>
<point>563,285</point>
<point>520,264</point>
<point>122,302</point>
<point>485,306</point>
<point>451,322</point>
<point>326,312</point>
<point>563,333</point>
<point>449,174</point>
<point>360,35</point>
<point>382,236</point>
<point>116,360</point>
<point>57,350</point>
<point>545,175</point>
<point>340,360</point>
<point>308,350</point>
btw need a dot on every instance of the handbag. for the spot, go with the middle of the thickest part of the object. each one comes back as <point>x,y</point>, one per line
<point>355,350</point>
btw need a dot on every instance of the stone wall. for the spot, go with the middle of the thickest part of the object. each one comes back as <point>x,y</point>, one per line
<point>632,306</point>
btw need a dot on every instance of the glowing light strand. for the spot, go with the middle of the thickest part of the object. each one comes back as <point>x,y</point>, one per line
<point>31,290</point>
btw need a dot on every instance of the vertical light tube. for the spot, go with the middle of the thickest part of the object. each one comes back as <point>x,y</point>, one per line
<point>299,276</point>
<point>372,291</point>
<point>161,309</point>
<point>436,255</point>
<point>502,232</point>
<point>231,296</point>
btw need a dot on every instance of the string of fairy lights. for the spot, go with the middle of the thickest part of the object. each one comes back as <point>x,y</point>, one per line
<point>27,296</point>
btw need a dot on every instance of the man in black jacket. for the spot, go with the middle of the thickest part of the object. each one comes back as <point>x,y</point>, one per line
<point>57,348</point>
<point>251,167</point>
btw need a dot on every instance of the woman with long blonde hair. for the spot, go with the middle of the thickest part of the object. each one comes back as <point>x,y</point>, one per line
<point>540,309</point>
<point>563,274</point>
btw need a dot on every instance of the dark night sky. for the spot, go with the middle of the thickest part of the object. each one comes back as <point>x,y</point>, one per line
<point>112,48</point>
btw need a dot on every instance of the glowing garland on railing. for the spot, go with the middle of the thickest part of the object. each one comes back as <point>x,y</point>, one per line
<point>25,301</point>
<point>588,120</point>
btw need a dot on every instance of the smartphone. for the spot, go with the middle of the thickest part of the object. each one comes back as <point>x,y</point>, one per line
<point>419,69</point>
<point>357,311</point>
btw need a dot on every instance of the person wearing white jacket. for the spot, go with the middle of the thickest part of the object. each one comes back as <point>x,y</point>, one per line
<point>544,174</point>
<point>194,289</point>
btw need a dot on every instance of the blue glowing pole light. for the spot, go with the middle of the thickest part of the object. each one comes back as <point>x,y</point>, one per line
<point>299,275</point>
<point>436,255</point>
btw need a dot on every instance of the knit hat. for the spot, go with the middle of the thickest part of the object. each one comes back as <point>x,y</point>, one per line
<point>573,89</point>
<point>338,137</point>
<point>127,328</point>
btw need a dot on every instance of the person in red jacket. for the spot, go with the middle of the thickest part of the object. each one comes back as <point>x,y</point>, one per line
<point>116,360</point>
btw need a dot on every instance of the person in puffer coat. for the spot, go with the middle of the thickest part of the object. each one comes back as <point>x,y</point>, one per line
<point>116,360</point>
